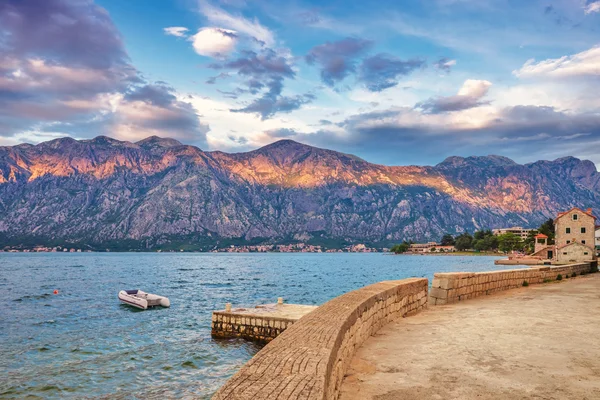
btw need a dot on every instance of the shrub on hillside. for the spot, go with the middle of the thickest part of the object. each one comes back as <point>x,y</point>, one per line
<point>525,283</point>
<point>559,277</point>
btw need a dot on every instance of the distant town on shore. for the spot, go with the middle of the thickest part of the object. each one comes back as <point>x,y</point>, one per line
<point>518,241</point>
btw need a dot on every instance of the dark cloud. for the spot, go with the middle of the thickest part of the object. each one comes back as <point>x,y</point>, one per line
<point>265,73</point>
<point>525,133</point>
<point>230,95</point>
<point>325,122</point>
<point>63,66</point>
<point>444,64</point>
<point>267,105</point>
<point>382,71</point>
<point>337,59</point>
<point>213,79</point>
<point>238,139</point>
<point>448,104</point>
<point>158,94</point>
<point>470,96</point>
<point>74,32</point>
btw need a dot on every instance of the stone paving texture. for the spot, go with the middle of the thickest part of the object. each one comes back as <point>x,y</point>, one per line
<point>537,342</point>
<point>310,358</point>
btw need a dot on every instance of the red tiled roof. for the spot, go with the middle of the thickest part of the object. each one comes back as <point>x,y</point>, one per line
<point>541,236</point>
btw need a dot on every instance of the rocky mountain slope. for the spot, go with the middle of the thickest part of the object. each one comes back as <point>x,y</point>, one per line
<point>156,192</point>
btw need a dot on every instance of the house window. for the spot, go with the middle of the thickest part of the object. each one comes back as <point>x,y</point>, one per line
<point>585,253</point>
<point>575,216</point>
<point>565,253</point>
<point>583,242</point>
<point>568,241</point>
<point>568,230</point>
<point>582,230</point>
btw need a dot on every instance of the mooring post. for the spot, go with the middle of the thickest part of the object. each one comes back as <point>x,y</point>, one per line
<point>227,307</point>
<point>280,300</point>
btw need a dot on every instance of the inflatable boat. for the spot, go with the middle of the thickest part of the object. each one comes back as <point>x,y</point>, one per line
<point>137,298</point>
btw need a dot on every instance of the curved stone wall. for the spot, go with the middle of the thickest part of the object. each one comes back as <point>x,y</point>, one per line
<point>310,358</point>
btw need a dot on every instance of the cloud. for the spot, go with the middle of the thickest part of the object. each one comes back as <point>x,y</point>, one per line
<point>337,59</point>
<point>77,33</point>
<point>178,31</point>
<point>253,29</point>
<point>586,63</point>
<point>213,79</point>
<point>593,7</point>
<point>444,64</point>
<point>469,96</point>
<point>265,72</point>
<point>153,109</point>
<point>527,133</point>
<point>269,105</point>
<point>214,42</point>
<point>64,70</point>
<point>382,71</point>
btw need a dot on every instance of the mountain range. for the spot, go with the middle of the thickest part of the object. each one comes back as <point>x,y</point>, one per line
<point>159,193</point>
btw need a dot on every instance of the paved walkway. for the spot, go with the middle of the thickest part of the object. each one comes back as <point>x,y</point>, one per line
<point>540,342</point>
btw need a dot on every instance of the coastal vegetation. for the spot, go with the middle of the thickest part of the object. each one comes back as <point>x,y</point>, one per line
<point>485,241</point>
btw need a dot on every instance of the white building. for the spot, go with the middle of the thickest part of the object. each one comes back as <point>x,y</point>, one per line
<point>517,230</point>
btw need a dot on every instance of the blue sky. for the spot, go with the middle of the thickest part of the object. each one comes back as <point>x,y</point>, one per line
<point>394,82</point>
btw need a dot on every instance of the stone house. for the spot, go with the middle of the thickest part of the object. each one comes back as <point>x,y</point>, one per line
<point>574,241</point>
<point>575,236</point>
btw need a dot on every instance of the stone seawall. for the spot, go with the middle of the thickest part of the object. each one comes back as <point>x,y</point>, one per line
<point>262,323</point>
<point>457,286</point>
<point>309,359</point>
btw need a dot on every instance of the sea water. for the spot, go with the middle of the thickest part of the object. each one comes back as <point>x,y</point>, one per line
<point>82,343</point>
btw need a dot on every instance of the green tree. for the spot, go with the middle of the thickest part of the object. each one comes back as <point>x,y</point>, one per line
<point>547,228</point>
<point>447,240</point>
<point>509,242</point>
<point>479,235</point>
<point>464,242</point>
<point>400,248</point>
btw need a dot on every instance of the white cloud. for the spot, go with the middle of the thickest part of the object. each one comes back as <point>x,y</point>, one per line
<point>240,24</point>
<point>592,7</point>
<point>214,42</point>
<point>586,63</point>
<point>178,31</point>
<point>474,88</point>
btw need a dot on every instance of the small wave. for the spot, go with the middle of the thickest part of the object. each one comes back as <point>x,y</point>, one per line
<point>215,284</point>
<point>189,364</point>
<point>269,285</point>
<point>75,266</point>
<point>50,321</point>
<point>34,297</point>
<point>43,348</point>
<point>185,269</point>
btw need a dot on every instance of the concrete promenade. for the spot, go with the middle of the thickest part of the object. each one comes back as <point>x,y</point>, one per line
<point>536,342</point>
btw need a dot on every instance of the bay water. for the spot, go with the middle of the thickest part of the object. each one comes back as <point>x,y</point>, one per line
<point>82,343</point>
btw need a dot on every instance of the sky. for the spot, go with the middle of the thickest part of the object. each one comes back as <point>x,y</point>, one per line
<point>394,82</point>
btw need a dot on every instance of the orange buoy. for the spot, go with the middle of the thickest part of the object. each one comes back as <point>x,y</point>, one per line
<point>55,291</point>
